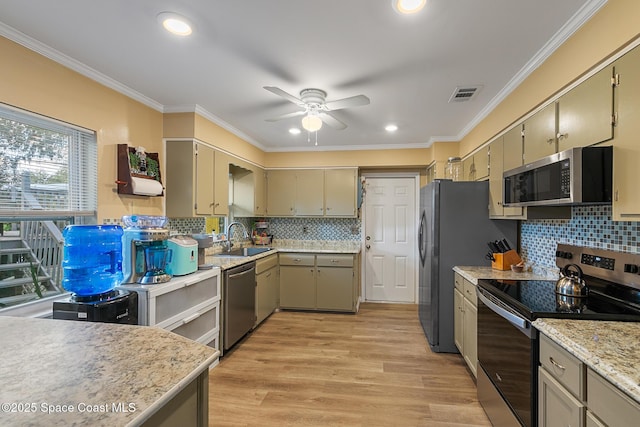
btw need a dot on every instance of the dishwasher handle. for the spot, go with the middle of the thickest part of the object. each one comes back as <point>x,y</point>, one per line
<point>232,275</point>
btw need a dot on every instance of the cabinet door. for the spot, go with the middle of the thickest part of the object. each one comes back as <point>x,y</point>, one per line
<point>481,164</point>
<point>281,192</point>
<point>297,287</point>
<point>585,112</point>
<point>334,288</point>
<point>309,192</point>
<point>512,158</point>
<point>180,178</point>
<point>340,192</point>
<point>626,156</point>
<point>205,164</point>
<point>470,337</point>
<point>260,192</point>
<point>467,169</point>
<point>458,320</point>
<point>556,406</point>
<point>221,184</point>
<point>265,301</point>
<point>540,134</point>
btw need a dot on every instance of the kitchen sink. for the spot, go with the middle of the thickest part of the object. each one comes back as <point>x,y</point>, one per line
<point>244,252</point>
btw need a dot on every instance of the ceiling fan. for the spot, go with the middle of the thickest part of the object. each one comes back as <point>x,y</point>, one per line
<point>315,109</point>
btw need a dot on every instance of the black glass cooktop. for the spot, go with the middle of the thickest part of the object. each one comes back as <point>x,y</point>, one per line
<point>537,298</point>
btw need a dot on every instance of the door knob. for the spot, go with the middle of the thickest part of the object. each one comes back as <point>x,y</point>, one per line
<point>368,237</point>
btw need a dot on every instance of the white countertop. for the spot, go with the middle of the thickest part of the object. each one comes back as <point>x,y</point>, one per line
<point>48,366</point>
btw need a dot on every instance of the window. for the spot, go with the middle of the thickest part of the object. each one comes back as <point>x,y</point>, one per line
<point>48,179</point>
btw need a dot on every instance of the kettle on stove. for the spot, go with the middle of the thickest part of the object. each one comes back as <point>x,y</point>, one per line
<point>571,283</point>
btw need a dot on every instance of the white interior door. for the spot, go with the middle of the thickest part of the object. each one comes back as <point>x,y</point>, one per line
<point>390,239</point>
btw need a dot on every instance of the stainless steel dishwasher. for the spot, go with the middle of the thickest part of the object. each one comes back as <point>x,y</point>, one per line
<point>239,299</point>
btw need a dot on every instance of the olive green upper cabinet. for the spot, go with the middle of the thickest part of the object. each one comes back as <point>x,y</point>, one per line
<point>585,113</point>
<point>505,152</point>
<point>340,192</point>
<point>626,149</point>
<point>281,192</point>
<point>309,192</point>
<point>540,134</point>
<point>260,188</point>
<point>221,184</point>
<point>581,117</point>
<point>196,183</point>
<point>188,179</point>
<point>476,166</point>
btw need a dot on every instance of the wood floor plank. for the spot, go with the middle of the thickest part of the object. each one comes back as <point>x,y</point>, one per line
<point>371,369</point>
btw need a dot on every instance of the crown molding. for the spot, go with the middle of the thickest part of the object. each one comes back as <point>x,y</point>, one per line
<point>567,30</point>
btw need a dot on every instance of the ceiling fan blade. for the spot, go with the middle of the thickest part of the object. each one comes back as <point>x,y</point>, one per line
<point>287,116</point>
<point>330,120</point>
<point>352,101</point>
<point>285,95</point>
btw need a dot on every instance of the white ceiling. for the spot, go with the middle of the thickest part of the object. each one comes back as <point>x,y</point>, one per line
<point>408,65</point>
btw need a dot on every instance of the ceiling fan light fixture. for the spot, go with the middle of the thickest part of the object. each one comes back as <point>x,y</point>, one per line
<point>408,6</point>
<point>175,24</point>
<point>311,122</point>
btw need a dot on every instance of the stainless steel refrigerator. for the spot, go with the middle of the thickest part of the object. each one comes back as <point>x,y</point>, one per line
<point>454,230</point>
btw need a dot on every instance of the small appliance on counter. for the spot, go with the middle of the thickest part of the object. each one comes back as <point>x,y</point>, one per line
<point>145,249</point>
<point>92,266</point>
<point>184,256</point>
<point>204,241</point>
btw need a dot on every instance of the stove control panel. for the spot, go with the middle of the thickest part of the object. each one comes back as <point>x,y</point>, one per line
<point>598,261</point>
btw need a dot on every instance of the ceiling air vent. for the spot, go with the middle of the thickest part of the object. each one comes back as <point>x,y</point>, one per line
<point>464,93</point>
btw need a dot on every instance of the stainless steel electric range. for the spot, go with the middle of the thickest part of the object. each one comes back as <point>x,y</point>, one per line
<point>508,354</point>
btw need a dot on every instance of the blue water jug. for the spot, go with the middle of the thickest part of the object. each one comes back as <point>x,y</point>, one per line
<point>92,261</point>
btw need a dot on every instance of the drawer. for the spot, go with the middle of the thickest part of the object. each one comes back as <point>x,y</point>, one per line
<point>297,259</point>
<point>197,324</point>
<point>469,292</point>
<point>335,260</point>
<point>264,264</point>
<point>609,403</point>
<point>458,280</point>
<point>562,366</point>
<point>175,302</point>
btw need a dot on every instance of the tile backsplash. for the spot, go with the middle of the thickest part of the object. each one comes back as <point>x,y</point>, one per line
<point>589,226</point>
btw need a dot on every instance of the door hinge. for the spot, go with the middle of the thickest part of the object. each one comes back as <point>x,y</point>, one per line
<point>615,80</point>
<point>614,119</point>
<point>195,206</point>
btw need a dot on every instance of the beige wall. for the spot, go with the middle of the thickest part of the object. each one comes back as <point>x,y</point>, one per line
<point>33,82</point>
<point>610,29</point>
<point>36,83</point>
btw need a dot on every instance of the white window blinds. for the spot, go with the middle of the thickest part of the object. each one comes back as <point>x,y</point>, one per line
<point>47,168</point>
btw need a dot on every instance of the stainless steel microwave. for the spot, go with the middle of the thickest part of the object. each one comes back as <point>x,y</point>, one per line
<point>580,175</point>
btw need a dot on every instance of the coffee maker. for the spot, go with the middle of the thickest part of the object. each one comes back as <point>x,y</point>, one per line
<point>92,268</point>
<point>145,249</point>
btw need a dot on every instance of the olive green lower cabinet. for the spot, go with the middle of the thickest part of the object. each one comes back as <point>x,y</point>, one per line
<point>572,394</point>
<point>267,289</point>
<point>319,281</point>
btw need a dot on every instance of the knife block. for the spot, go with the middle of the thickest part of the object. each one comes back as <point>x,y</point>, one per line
<point>503,261</point>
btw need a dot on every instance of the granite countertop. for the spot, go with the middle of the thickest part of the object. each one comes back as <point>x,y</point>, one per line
<point>474,273</point>
<point>107,374</point>
<point>612,349</point>
<point>297,246</point>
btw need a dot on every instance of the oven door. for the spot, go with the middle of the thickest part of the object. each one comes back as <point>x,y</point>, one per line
<point>508,356</point>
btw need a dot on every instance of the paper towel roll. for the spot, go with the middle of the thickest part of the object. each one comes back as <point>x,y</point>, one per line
<point>146,187</point>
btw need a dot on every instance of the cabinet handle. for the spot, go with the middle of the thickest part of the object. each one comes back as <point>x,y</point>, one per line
<point>297,260</point>
<point>562,135</point>
<point>556,364</point>
<point>191,282</point>
<point>335,261</point>
<point>268,274</point>
<point>191,318</point>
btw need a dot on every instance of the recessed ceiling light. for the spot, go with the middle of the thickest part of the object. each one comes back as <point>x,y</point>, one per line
<point>408,6</point>
<point>175,24</point>
<point>294,131</point>
<point>391,128</point>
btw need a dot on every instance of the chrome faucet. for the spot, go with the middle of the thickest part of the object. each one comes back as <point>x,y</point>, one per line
<point>245,233</point>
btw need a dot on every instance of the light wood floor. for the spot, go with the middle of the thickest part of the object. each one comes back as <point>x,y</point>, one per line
<point>324,369</point>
